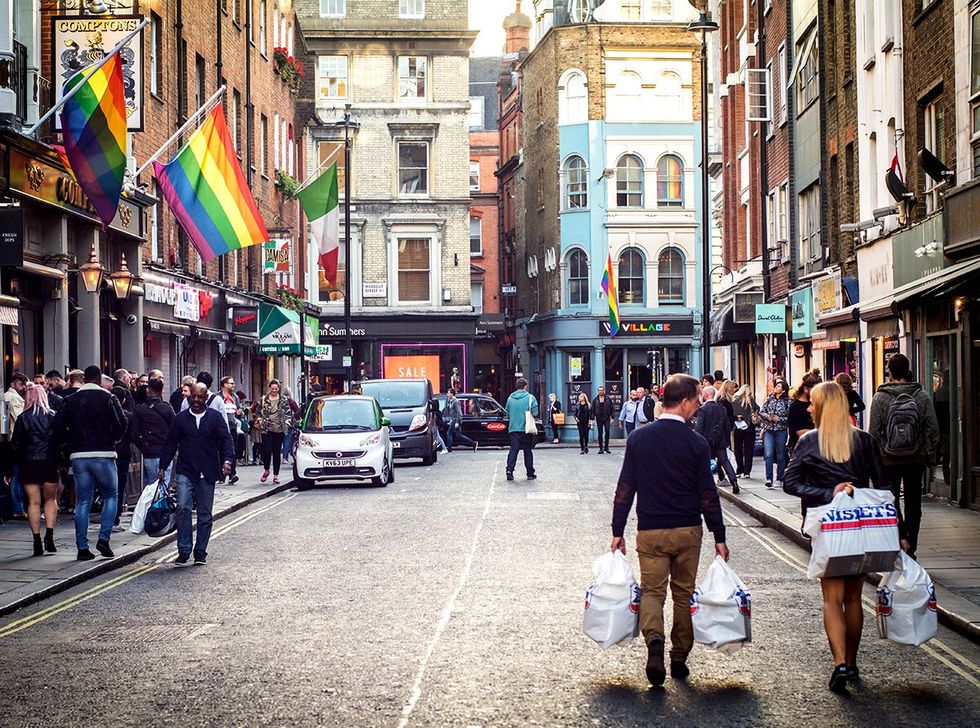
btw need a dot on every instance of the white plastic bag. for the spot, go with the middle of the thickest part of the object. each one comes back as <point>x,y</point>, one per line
<point>612,603</point>
<point>142,505</point>
<point>907,605</point>
<point>721,610</point>
<point>853,534</point>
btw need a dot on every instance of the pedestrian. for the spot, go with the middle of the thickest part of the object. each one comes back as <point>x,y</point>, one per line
<point>124,445</point>
<point>151,424</point>
<point>836,457</point>
<point>76,380</point>
<point>232,408</point>
<point>89,425</point>
<point>122,388</point>
<point>243,427</point>
<point>631,416</point>
<point>583,419</point>
<point>746,420</point>
<point>554,408</point>
<point>666,469</point>
<point>713,424</point>
<point>107,383</point>
<point>55,387</point>
<point>256,431</point>
<point>273,420</point>
<point>454,423</point>
<point>799,421</point>
<point>649,400</point>
<point>707,381</point>
<point>180,395</point>
<point>774,414</point>
<point>518,405</point>
<point>201,437</point>
<point>903,422</point>
<point>14,397</point>
<point>32,445</point>
<point>855,404</point>
<point>602,411</point>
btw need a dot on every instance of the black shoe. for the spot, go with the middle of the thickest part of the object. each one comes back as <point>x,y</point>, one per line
<point>838,679</point>
<point>532,476</point>
<point>233,479</point>
<point>103,548</point>
<point>84,555</point>
<point>510,476</point>
<point>656,672</point>
<point>853,674</point>
<point>735,489</point>
<point>182,560</point>
<point>200,560</point>
<point>38,546</point>
<point>679,670</point>
<point>768,483</point>
<point>49,542</point>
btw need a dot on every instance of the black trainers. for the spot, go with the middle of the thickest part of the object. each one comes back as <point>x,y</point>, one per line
<point>200,560</point>
<point>182,560</point>
<point>510,476</point>
<point>532,476</point>
<point>84,555</point>
<point>233,479</point>
<point>768,483</point>
<point>656,672</point>
<point>838,679</point>
<point>853,673</point>
<point>679,670</point>
<point>103,548</point>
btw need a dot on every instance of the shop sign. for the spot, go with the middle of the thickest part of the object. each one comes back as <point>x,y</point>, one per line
<point>245,320</point>
<point>574,367</point>
<point>744,307</point>
<point>276,259</point>
<point>11,236</point>
<point>154,293</point>
<point>827,295</point>
<point>875,270</point>
<point>324,352</point>
<point>804,325</point>
<point>337,331</point>
<point>82,40</point>
<point>188,303</point>
<point>508,289</point>
<point>918,251</point>
<point>490,322</point>
<point>650,327</point>
<point>374,290</point>
<point>770,318</point>
<point>279,331</point>
<point>413,367</point>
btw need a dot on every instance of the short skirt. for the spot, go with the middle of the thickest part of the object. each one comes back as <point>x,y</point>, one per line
<point>35,472</point>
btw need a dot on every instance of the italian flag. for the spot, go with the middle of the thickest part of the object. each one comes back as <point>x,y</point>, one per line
<point>319,201</point>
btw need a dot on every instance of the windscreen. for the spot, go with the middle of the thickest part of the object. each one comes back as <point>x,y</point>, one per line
<point>336,415</point>
<point>394,394</point>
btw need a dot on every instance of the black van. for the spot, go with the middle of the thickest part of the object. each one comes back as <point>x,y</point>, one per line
<point>409,404</point>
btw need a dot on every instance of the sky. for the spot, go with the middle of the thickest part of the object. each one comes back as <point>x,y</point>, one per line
<point>487,17</point>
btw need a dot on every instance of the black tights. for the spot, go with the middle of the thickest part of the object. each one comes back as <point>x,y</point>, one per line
<point>272,449</point>
<point>583,435</point>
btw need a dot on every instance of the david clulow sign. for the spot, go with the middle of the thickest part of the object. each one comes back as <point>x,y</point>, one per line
<point>770,318</point>
<point>650,327</point>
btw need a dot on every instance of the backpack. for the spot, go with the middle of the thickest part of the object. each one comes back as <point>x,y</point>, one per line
<point>902,427</point>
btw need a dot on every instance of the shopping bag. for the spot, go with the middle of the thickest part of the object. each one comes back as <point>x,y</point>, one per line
<point>721,610</point>
<point>161,516</point>
<point>907,608</point>
<point>854,534</point>
<point>142,506</point>
<point>612,603</point>
<point>530,426</point>
<point>558,418</point>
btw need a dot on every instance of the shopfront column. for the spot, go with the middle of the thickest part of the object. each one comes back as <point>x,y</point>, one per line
<point>56,324</point>
<point>131,334</point>
<point>88,318</point>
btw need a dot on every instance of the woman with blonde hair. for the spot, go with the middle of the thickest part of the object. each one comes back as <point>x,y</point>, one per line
<point>746,419</point>
<point>832,458</point>
<point>583,418</point>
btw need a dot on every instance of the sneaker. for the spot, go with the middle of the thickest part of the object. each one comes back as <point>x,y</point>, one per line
<point>275,480</point>
<point>510,476</point>
<point>838,679</point>
<point>200,560</point>
<point>84,555</point>
<point>265,477</point>
<point>118,528</point>
<point>656,672</point>
<point>768,483</point>
<point>103,548</point>
<point>475,446</point>
<point>532,476</point>
<point>679,670</point>
<point>182,560</point>
<point>233,479</point>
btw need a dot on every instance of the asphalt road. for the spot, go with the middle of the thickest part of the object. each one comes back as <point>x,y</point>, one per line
<point>449,598</point>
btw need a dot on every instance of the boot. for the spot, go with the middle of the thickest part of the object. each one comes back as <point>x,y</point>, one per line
<point>49,541</point>
<point>38,548</point>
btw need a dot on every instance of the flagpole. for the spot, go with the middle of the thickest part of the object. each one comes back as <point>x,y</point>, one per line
<point>313,177</point>
<point>92,68</point>
<point>194,117</point>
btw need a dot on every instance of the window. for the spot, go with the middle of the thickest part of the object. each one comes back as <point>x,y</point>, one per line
<point>807,81</point>
<point>474,176</point>
<point>631,274</point>
<point>668,95</point>
<point>670,277</point>
<point>629,87</point>
<point>576,183</point>
<point>411,77</point>
<point>475,119</point>
<point>263,145</point>
<point>476,297</point>
<point>236,116</point>
<point>262,37</point>
<point>579,10</point>
<point>199,71</point>
<point>774,95</point>
<point>661,9</point>
<point>868,42</point>
<point>873,171</point>
<point>413,168</point>
<point>631,9</point>
<point>629,182</point>
<point>333,8</point>
<point>892,14</point>
<point>782,231</point>
<point>810,245</point>
<point>411,8</point>
<point>975,52</point>
<point>578,278</point>
<point>476,236</point>
<point>772,217</point>
<point>757,97</point>
<point>156,53</point>
<point>276,154</point>
<point>780,82</point>
<point>153,215</point>
<point>572,99</point>
<point>332,77</point>
<point>413,270</point>
<point>932,139</point>
<point>670,181</point>
<point>275,27</point>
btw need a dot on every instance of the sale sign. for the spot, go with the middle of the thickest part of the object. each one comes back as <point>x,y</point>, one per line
<point>413,367</point>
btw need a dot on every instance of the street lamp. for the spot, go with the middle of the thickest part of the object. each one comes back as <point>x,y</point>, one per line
<point>704,25</point>
<point>92,272</point>
<point>347,123</point>
<point>122,280</point>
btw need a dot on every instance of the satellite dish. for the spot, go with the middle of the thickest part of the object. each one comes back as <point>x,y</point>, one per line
<point>897,188</point>
<point>933,167</point>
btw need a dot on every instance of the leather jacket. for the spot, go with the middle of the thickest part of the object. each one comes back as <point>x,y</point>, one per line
<point>812,478</point>
<point>32,436</point>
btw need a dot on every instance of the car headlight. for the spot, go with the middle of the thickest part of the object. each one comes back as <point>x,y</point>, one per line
<point>373,440</point>
<point>418,422</point>
<point>307,441</point>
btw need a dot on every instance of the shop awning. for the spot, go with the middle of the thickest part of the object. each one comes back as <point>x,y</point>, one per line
<point>847,315</point>
<point>943,283</point>
<point>279,331</point>
<point>723,329</point>
<point>8,316</point>
<point>156,326</point>
<point>837,334</point>
<point>213,334</point>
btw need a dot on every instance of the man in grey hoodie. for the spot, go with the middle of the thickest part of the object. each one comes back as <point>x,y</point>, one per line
<point>518,405</point>
<point>908,464</point>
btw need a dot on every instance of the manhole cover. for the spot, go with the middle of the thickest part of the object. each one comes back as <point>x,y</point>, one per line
<point>150,633</point>
<point>551,495</point>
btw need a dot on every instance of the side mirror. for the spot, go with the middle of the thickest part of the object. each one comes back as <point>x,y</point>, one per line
<point>385,422</point>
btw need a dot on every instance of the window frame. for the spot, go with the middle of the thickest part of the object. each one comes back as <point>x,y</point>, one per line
<point>263,9</point>
<point>624,191</point>
<point>933,126</point>
<point>474,285</point>
<point>577,285</point>
<point>427,169</point>
<point>663,200</point>
<point>156,54</point>
<point>577,113</point>
<point>477,106</point>
<point>430,243</point>
<point>338,80</point>
<point>656,10</point>
<point>582,181</point>
<point>669,298</point>
<point>629,7</point>
<point>416,79</point>
<point>264,145</point>
<point>637,259</point>
<point>342,4</point>
<point>478,253</point>
<point>406,9</point>
<point>474,172</point>
<point>808,80</point>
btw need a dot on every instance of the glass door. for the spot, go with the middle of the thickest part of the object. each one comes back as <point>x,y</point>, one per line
<point>941,383</point>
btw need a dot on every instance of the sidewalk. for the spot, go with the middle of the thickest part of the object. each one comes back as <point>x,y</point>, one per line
<point>25,579</point>
<point>949,545</point>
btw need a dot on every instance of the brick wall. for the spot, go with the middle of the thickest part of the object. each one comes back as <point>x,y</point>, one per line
<point>485,149</point>
<point>733,142</point>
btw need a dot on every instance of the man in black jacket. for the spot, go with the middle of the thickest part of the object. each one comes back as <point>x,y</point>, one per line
<point>206,454</point>
<point>150,427</point>
<point>666,469</point>
<point>713,424</point>
<point>602,412</point>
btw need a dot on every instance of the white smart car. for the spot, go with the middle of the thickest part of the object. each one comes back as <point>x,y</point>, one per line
<point>343,438</point>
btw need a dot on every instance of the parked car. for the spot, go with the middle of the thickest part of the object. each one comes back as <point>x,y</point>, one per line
<point>343,438</point>
<point>484,420</point>
<point>409,405</point>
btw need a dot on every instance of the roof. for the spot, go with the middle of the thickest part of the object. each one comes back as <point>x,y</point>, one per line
<point>484,74</point>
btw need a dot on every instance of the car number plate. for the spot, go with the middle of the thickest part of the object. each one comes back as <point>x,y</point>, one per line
<point>395,444</point>
<point>338,463</point>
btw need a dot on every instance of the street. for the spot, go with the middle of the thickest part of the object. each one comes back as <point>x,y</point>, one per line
<point>451,597</point>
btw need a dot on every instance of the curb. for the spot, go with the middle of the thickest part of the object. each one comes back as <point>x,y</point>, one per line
<point>104,567</point>
<point>955,621</point>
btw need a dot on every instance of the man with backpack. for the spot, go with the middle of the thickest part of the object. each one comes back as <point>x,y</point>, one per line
<point>151,424</point>
<point>903,422</point>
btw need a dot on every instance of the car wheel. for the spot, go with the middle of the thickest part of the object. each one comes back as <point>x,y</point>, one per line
<point>301,483</point>
<point>382,480</point>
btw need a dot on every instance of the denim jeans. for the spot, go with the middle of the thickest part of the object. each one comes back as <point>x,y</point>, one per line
<point>454,435</point>
<point>151,467</point>
<point>520,441</point>
<point>17,492</point>
<point>440,442</point>
<point>122,478</point>
<point>190,491</point>
<point>92,473</point>
<point>775,444</point>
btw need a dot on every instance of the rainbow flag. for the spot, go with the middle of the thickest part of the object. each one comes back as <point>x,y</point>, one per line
<point>93,123</point>
<point>206,190</point>
<point>609,287</point>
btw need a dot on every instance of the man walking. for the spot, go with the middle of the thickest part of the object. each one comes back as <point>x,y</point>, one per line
<point>631,415</point>
<point>233,410</point>
<point>151,425</point>
<point>454,423</point>
<point>602,412</point>
<point>89,424</point>
<point>14,397</point>
<point>649,400</point>
<point>206,454</point>
<point>666,468</point>
<point>518,405</point>
<point>715,427</point>
<point>903,421</point>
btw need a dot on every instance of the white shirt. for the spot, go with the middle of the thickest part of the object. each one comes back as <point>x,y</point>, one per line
<point>198,417</point>
<point>669,416</point>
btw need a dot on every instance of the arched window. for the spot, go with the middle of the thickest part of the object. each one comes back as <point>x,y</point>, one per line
<point>629,182</point>
<point>576,183</point>
<point>669,94</point>
<point>670,181</point>
<point>578,278</point>
<point>631,270</point>
<point>670,277</point>
<point>629,86</point>
<point>573,99</point>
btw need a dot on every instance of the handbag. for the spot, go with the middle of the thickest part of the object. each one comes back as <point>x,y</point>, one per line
<point>558,418</point>
<point>161,516</point>
<point>530,426</point>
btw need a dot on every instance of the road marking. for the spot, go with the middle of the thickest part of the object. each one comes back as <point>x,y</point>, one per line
<point>65,604</point>
<point>869,607</point>
<point>447,611</point>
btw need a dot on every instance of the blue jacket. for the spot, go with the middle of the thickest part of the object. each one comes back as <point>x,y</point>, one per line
<point>202,451</point>
<point>517,406</point>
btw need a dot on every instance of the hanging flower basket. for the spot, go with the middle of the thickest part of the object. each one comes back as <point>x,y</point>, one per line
<point>290,69</point>
<point>289,298</point>
<point>286,184</point>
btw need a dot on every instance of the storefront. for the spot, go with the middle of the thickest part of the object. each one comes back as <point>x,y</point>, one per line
<point>771,324</point>
<point>837,332</point>
<point>802,329</point>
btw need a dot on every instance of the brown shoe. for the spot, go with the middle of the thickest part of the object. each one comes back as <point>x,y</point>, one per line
<point>656,672</point>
